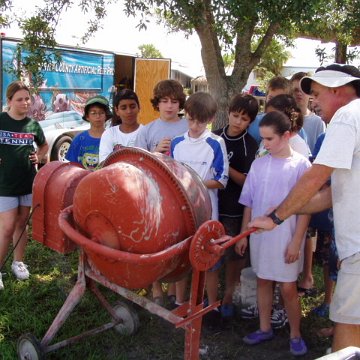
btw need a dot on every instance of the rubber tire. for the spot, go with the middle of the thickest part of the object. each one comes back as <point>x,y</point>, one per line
<point>130,319</point>
<point>60,148</point>
<point>29,348</point>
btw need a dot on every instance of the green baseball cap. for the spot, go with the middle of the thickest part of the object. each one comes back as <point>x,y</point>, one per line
<point>102,101</point>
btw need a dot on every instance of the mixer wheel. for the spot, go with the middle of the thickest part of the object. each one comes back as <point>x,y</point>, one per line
<point>29,348</point>
<point>200,257</point>
<point>129,317</point>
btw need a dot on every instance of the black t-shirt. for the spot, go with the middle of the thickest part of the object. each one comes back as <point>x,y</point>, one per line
<point>241,153</point>
<point>17,138</point>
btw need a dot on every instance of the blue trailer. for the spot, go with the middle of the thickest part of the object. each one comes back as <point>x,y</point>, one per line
<point>58,103</point>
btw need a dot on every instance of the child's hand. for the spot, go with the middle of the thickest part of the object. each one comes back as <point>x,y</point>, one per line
<point>292,253</point>
<point>164,146</point>
<point>33,158</point>
<point>241,246</point>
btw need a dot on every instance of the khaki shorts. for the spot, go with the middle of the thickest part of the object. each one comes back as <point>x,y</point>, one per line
<point>345,307</point>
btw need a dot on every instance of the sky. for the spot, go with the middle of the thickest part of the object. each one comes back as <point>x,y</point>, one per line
<point>119,34</point>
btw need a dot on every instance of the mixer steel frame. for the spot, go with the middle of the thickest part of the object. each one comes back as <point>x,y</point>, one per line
<point>205,248</point>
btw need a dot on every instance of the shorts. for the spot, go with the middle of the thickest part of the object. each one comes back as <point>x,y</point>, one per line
<point>322,252</point>
<point>344,307</point>
<point>12,202</point>
<point>333,259</point>
<point>232,227</point>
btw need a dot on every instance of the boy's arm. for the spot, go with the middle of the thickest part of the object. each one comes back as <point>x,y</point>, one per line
<point>236,176</point>
<point>293,249</point>
<point>242,244</point>
<point>213,184</point>
<point>220,166</point>
<point>105,147</point>
<point>73,151</point>
<point>140,140</point>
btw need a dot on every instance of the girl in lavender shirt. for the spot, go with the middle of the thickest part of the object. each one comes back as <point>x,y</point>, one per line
<point>276,256</point>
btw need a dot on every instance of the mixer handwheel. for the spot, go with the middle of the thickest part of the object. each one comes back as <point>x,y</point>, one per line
<point>201,258</point>
<point>29,348</point>
<point>129,317</point>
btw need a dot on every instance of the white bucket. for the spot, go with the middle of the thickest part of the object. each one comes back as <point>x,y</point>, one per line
<point>245,292</point>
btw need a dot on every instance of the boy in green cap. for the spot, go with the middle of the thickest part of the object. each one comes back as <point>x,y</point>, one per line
<point>84,148</point>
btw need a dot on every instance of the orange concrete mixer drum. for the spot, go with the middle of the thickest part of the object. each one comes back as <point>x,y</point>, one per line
<point>140,203</point>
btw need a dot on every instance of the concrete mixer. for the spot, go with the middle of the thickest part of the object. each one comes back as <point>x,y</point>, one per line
<point>142,217</point>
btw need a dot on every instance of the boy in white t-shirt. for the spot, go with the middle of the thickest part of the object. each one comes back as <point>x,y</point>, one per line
<point>125,124</point>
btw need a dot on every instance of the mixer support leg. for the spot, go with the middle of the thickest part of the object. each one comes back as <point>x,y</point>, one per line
<point>71,301</point>
<point>193,329</point>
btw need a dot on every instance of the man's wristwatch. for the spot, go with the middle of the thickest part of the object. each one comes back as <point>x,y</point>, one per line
<point>274,218</point>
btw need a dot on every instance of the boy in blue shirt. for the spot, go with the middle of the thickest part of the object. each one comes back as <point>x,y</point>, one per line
<point>206,153</point>
<point>84,148</point>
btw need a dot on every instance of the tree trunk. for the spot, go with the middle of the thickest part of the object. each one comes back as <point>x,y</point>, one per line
<point>221,86</point>
<point>340,52</point>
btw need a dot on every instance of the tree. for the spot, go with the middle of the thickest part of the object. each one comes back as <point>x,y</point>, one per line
<point>222,26</point>
<point>274,57</point>
<point>339,22</point>
<point>4,19</point>
<point>39,32</point>
<point>149,51</point>
<point>270,65</point>
<point>228,25</point>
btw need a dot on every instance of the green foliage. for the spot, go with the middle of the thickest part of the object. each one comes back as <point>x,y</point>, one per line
<point>271,63</point>
<point>37,33</point>
<point>229,27</point>
<point>274,58</point>
<point>149,51</point>
<point>337,21</point>
<point>5,5</point>
<point>223,27</point>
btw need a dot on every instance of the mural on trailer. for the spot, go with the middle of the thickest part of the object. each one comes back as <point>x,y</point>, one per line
<point>66,85</point>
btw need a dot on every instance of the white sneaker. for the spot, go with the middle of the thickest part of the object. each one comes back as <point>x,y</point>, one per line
<point>278,318</point>
<point>20,270</point>
<point>1,282</point>
<point>250,312</point>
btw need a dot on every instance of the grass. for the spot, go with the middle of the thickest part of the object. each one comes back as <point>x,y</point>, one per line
<point>31,306</point>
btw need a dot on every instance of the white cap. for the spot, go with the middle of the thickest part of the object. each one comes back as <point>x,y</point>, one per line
<point>332,78</point>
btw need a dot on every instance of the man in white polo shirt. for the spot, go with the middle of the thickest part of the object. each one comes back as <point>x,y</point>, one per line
<point>336,95</point>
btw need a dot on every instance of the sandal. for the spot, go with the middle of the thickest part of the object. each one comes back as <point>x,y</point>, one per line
<point>258,337</point>
<point>227,311</point>
<point>311,292</point>
<point>298,346</point>
<point>326,332</point>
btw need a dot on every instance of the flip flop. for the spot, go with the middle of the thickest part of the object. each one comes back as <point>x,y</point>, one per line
<point>326,332</point>
<point>306,292</point>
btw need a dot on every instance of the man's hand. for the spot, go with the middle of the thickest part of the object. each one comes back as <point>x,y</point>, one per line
<point>262,223</point>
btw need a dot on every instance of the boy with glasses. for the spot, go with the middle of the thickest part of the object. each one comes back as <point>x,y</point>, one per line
<point>84,148</point>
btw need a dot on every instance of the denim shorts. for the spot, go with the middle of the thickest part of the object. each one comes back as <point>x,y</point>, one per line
<point>12,202</point>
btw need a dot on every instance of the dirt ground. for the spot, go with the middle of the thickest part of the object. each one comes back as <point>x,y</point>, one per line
<point>158,339</point>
